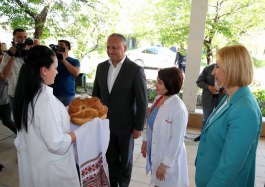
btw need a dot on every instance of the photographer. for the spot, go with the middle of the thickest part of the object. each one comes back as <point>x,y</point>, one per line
<point>5,110</point>
<point>68,69</point>
<point>12,62</point>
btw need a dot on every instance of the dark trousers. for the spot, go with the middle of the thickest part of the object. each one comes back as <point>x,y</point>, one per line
<point>182,68</point>
<point>120,159</point>
<point>208,110</point>
<point>11,103</point>
<point>5,115</point>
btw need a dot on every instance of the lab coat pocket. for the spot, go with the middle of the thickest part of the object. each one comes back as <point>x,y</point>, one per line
<point>165,127</point>
<point>61,167</point>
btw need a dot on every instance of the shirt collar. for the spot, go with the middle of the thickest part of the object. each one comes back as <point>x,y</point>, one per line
<point>119,64</point>
<point>47,89</point>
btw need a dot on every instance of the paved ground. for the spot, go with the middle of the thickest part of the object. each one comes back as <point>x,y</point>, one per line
<point>9,175</point>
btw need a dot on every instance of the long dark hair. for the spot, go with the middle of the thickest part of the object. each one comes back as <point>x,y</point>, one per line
<point>29,83</point>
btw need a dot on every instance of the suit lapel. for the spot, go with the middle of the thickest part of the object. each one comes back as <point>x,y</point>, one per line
<point>213,117</point>
<point>234,99</point>
<point>105,72</point>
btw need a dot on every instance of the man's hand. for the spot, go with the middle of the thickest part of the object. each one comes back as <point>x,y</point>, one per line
<point>143,149</point>
<point>12,51</point>
<point>212,89</point>
<point>136,134</point>
<point>63,55</point>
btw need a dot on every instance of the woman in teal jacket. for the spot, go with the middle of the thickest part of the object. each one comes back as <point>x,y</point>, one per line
<point>226,154</point>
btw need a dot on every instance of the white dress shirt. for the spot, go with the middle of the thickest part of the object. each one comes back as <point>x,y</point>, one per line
<point>113,73</point>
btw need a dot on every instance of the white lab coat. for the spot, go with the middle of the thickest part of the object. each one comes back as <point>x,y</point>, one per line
<point>45,153</point>
<point>167,144</point>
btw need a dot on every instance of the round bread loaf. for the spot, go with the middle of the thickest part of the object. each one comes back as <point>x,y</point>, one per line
<point>82,110</point>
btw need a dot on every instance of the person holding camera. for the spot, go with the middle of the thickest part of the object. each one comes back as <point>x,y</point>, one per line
<point>68,69</point>
<point>5,110</point>
<point>12,62</point>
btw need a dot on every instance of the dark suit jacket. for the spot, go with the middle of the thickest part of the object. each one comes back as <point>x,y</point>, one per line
<point>206,78</point>
<point>127,102</point>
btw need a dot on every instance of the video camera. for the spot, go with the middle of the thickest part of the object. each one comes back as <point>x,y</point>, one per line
<point>21,48</point>
<point>57,49</point>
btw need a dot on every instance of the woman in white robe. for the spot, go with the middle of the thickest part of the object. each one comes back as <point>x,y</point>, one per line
<point>44,140</point>
<point>163,144</point>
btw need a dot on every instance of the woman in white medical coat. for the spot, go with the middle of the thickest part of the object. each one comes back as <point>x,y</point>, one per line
<point>44,140</point>
<point>163,144</point>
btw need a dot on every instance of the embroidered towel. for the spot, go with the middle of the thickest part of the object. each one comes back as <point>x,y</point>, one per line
<point>92,141</point>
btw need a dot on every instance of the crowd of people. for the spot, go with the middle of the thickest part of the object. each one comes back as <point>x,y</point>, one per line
<point>38,86</point>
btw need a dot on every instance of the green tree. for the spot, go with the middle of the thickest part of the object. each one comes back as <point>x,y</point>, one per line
<point>172,21</point>
<point>228,20</point>
<point>162,22</point>
<point>85,25</point>
<point>89,22</point>
<point>84,22</point>
<point>136,21</point>
<point>29,15</point>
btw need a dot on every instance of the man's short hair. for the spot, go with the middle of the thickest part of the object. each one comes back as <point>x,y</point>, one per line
<point>120,36</point>
<point>67,43</point>
<point>18,30</point>
<point>237,64</point>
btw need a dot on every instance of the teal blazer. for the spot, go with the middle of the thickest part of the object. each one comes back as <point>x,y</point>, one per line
<point>226,155</point>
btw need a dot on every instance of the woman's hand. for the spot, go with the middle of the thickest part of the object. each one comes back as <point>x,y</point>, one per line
<point>143,149</point>
<point>161,172</point>
<point>73,137</point>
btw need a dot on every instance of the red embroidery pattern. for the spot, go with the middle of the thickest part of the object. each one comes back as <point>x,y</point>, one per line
<point>93,174</point>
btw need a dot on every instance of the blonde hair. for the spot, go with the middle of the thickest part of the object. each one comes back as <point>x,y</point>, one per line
<point>235,60</point>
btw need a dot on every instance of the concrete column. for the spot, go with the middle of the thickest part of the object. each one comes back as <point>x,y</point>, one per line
<point>194,52</point>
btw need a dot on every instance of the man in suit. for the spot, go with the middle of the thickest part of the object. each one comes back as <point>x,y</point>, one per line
<point>211,93</point>
<point>120,84</point>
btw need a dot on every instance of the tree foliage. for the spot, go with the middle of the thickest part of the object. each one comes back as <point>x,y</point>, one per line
<point>136,21</point>
<point>85,22</point>
<point>227,21</point>
<point>30,15</point>
<point>88,22</point>
<point>172,21</point>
